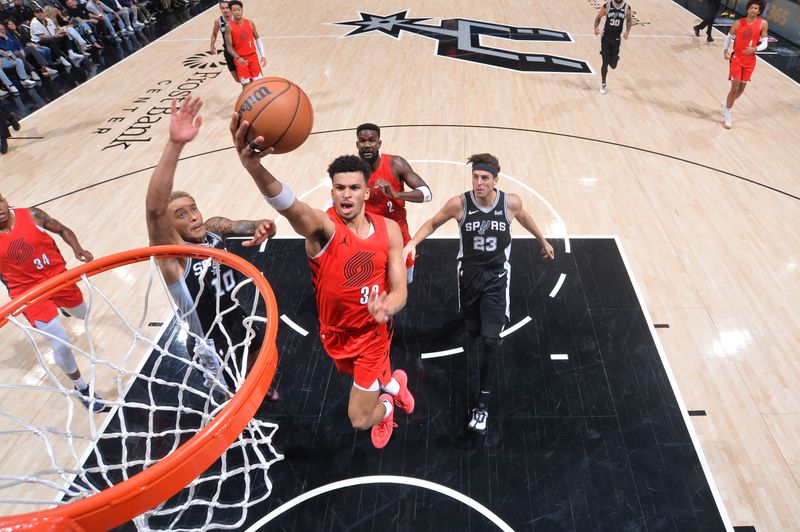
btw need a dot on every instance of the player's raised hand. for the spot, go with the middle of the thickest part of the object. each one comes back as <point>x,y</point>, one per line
<point>249,152</point>
<point>184,122</point>
<point>378,306</point>
<point>264,230</point>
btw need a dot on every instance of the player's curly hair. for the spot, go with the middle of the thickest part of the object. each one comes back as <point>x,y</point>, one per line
<point>486,158</point>
<point>370,127</point>
<point>235,3</point>
<point>759,2</point>
<point>349,163</point>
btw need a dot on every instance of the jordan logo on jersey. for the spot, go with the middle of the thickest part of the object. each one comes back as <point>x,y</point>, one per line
<point>20,251</point>
<point>359,268</point>
<point>461,39</point>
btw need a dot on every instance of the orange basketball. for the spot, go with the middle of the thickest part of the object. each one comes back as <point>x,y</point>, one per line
<point>277,110</point>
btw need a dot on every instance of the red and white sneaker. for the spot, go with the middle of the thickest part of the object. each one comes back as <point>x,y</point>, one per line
<point>383,430</point>
<point>403,400</point>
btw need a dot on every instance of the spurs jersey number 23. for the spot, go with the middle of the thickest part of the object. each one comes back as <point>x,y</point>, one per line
<point>485,234</point>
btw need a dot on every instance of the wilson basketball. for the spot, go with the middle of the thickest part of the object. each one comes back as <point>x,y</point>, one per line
<point>277,110</point>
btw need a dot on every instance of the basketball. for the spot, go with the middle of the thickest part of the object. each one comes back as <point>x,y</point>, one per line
<point>277,110</point>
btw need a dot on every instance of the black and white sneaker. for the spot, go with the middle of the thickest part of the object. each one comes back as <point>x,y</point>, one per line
<point>478,420</point>
<point>92,404</point>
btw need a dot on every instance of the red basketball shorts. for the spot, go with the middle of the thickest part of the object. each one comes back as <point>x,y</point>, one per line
<point>741,70</point>
<point>364,354</point>
<point>44,311</point>
<point>251,70</point>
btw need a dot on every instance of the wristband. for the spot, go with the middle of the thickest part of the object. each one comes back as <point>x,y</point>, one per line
<point>283,200</point>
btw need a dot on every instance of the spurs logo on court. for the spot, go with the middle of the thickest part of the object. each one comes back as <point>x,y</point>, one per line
<point>461,39</point>
<point>205,60</point>
<point>359,268</point>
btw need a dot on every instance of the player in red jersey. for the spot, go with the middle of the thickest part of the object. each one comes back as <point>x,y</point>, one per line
<point>749,35</point>
<point>242,41</point>
<point>29,256</point>
<point>359,280</point>
<point>390,175</point>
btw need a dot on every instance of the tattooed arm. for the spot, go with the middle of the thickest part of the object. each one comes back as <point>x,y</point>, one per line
<point>42,219</point>
<point>260,230</point>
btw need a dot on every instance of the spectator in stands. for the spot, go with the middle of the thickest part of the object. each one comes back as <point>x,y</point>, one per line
<point>129,17</point>
<point>139,12</point>
<point>9,61</point>
<point>100,8</point>
<point>10,44</point>
<point>80,32</point>
<point>45,31</point>
<point>97,15</point>
<point>42,55</point>
<point>85,21</point>
<point>21,13</point>
<point>9,87</point>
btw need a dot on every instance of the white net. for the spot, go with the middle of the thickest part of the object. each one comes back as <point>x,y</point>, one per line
<point>160,387</point>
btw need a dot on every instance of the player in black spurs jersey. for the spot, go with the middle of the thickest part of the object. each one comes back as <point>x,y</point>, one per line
<point>173,218</point>
<point>484,215</point>
<point>615,12</point>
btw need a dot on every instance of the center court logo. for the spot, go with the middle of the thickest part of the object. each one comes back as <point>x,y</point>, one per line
<point>205,60</point>
<point>132,125</point>
<point>461,39</point>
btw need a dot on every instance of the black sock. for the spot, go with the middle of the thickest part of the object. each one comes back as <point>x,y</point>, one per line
<point>483,400</point>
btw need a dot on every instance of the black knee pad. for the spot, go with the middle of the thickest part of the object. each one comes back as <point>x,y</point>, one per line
<point>613,62</point>
<point>474,333</point>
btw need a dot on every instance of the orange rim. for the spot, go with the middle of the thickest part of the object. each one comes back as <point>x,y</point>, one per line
<point>120,503</point>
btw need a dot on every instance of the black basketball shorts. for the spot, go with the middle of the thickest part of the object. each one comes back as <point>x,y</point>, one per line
<point>483,299</point>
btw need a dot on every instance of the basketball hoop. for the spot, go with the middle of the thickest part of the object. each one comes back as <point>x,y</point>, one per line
<point>220,423</point>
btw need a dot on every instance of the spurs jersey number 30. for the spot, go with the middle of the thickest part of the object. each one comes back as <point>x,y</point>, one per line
<point>615,18</point>
<point>485,233</point>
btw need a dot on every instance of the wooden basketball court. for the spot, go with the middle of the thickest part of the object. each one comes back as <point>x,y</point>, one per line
<point>706,216</point>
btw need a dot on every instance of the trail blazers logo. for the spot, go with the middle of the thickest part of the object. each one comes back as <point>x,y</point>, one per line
<point>359,268</point>
<point>461,39</point>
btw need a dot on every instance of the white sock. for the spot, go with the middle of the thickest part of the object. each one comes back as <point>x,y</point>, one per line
<point>393,388</point>
<point>59,341</point>
<point>80,384</point>
<point>389,408</point>
<point>79,312</point>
